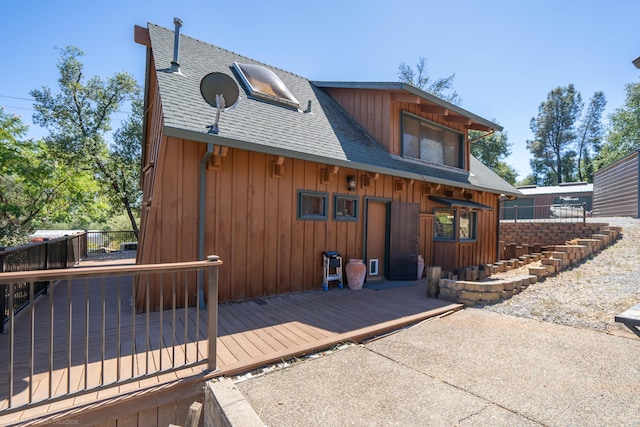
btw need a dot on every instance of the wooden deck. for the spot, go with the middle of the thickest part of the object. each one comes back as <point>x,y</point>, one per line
<point>251,334</point>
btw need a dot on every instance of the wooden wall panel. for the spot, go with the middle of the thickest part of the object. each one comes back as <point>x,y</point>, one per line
<point>251,221</point>
<point>271,226</point>
<point>286,222</point>
<point>444,254</point>
<point>425,244</point>
<point>239,226</point>
<point>370,107</point>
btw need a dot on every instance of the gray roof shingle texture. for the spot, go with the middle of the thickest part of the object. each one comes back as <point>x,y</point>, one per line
<point>328,134</point>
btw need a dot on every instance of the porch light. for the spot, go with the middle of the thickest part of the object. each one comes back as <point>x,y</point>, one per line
<point>352,183</point>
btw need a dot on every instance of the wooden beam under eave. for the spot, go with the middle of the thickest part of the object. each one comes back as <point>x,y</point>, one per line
<point>373,175</point>
<point>458,119</point>
<point>141,35</point>
<point>404,97</point>
<point>434,109</point>
<point>478,126</point>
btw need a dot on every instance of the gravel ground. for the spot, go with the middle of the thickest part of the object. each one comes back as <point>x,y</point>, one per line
<point>590,294</point>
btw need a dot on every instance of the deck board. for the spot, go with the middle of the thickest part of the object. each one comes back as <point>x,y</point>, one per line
<point>250,334</point>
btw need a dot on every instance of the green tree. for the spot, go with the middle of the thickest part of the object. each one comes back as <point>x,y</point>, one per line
<point>442,87</point>
<point>124,162</point>
<point>624,133</point>
<point>78,118</point>
<point>35,187</point>
<point>554,132</point>
<point>491,150</point>
<point>590,135</point>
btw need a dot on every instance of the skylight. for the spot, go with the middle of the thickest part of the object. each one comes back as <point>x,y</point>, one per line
<point>264,84</point>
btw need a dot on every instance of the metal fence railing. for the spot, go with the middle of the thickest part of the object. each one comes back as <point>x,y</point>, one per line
<point>112,244</point>
<point>564,212</point>
<point>86,334</point>
<point>58,253</point>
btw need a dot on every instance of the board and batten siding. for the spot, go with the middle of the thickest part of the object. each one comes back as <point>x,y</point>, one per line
<point>251,220</point>
<point>616,188</point>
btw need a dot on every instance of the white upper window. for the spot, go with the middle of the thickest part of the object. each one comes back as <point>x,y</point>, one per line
<point>431,143</point>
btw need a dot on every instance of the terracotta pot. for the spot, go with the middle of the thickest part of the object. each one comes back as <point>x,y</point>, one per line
<point>356,270</point>
<point>420,266</point>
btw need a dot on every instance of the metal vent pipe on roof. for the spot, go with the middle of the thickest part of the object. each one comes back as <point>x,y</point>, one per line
<point>175,65</point>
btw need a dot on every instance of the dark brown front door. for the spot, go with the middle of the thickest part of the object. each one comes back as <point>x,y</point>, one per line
<point>403,241</point>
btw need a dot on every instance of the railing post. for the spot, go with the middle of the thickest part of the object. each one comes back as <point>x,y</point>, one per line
<point>212,309</point>
<point>515,214</point>
<point>584,212</point>
<point>3,294</point>
<point>3,305</point>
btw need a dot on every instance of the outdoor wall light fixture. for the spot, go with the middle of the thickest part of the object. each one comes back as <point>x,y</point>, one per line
<point>352,183</point>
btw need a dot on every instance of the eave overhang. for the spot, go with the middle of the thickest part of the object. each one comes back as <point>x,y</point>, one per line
<point>208,138</point>
<point>459,203</point>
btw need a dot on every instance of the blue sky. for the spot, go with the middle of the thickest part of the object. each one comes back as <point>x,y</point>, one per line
<point>506,55</point>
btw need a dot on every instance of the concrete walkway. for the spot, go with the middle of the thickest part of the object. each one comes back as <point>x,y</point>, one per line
<point>471,368</point>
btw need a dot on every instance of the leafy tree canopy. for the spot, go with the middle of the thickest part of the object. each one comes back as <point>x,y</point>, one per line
<point>79,116</point>
<point>35,187</point>
<point>554,133</point>
<point>491,150</point>
<point>624,133</point>
<point>419,77</point>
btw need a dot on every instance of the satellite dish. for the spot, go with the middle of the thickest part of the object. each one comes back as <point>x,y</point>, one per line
<point>221,92</point>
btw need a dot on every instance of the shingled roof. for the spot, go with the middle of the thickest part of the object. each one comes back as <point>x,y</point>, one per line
<point>327,134</point>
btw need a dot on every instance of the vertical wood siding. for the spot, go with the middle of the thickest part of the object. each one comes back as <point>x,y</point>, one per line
<point>251,221</point>
<point>616,188</point>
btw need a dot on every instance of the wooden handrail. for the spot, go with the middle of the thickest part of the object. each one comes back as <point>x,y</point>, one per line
<point>115,270</point>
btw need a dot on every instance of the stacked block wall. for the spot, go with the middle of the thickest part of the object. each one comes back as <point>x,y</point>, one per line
<point>474,285</point>
<point>547,233</point>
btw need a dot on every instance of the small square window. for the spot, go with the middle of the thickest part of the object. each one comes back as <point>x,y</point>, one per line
<point>345,208</point>
<point>444,224</point>
<point>467,228</point>
<point>312,205</point>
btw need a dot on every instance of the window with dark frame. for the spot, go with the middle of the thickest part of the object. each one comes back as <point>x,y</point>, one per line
<point>449,223</point>
<point>444,224</point>
<point>345,208</point>
<point>312,205</point>
<point>429,142</point>
<point>467,227</point>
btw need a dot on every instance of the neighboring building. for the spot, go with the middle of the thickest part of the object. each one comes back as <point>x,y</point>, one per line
<point>537,202</point>
<point>378,171</point>
<point>616,188</point>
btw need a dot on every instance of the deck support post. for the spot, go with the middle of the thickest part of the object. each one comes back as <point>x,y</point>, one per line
<point>212,310</point>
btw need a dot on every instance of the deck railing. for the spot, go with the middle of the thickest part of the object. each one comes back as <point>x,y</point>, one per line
<point>565,212</point>
<point>61,252</point>
<point>86,335</point>
<point>112,244</point>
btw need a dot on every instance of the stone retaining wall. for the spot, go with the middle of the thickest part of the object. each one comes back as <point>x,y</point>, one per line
<point>481,285</point>
<point>547,233</point>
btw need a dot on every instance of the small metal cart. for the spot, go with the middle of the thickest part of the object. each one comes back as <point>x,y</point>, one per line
<point>331,261</point>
